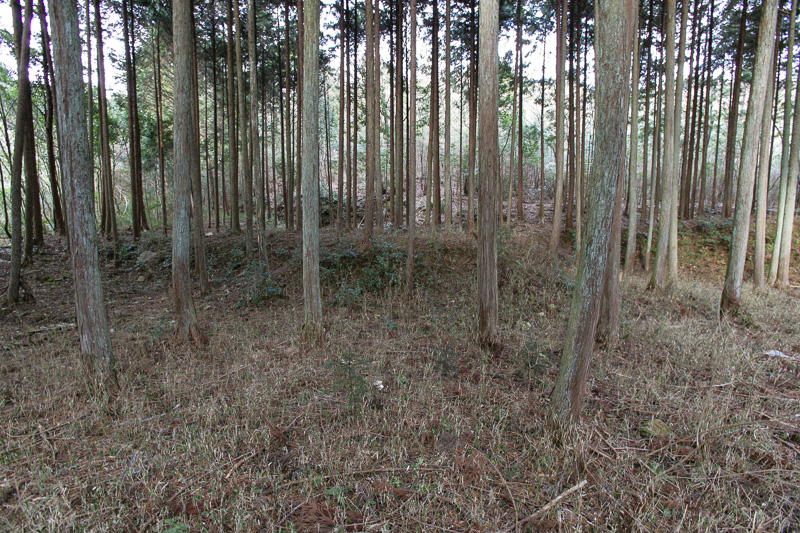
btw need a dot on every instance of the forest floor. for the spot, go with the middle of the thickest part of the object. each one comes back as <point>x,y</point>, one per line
<point>398,420</point>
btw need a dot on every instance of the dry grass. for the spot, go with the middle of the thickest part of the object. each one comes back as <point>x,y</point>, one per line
<point>259,432</point>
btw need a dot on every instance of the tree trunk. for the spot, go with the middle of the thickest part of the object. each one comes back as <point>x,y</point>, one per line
<point>701,200</point>
<point>448,178</point>
<point>109,217</point>
<point>436,178</point>
<point>312,302</point>
<point>541,136</point>
<point>216,117</point>
<point>473,116</point>
<point>786,143</point>
<point>517,87</point>
<point>612,45</point>
<point>555,235</point>
<point>762,183</point>
<point>733,117</point>
<point>187,143</point>
<point>139,219</point>
<point>22,33</point>
<point>370,89</point>
<point>398,118</point>
<point>489,171</point>
<point>244,151</point>
<point>633,165</point>
<point>90,308</point>
<point>160,126</point>
<point>655,174</point>
<point>412,144</point>
<point>90,90</point>
<point>659,274</point>
<point>232,135</point>
<point>50,101</point>
<point>791,198</point>
<point>672,253</point>
<point>734,276</point>
<point>254,109</point>
<point>342,150</point>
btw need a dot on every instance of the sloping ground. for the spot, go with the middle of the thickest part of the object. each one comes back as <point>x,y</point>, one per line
<point>397,421</point>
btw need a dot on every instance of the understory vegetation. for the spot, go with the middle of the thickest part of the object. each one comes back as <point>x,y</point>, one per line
<point>397,420</point>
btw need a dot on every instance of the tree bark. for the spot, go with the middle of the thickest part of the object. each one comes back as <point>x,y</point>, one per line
<point>659,274</point>
<point>448,178</point>
<point>256,171</point>
<point>22,33</point>
<point>160,126</point>
<point>232,134</point>
<point>733,118</point>
<point>612,50</point>
<point>244,151</point>
<point>489,171</point>
<point>734,275</point>
<point>398,118</point>
<point>370,88</point>
<point>473,115</point>
<point>412,144</point>
<point>762,182</point>
<point>555,235</point>
<point>90,308</point>
<point>312,302</point>
<point>633,181</point>
<point>186,164</point>
<point>786,143</point>
<point>50,101</point>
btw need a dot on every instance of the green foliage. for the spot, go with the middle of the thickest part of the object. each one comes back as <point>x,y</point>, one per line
<point>347,376</point>
<point>446,360</point>
<point>348,295</point>
<point>260,287</point>
<point>715,232</point>
<point>236,259</point>
<point>531,360</point>
<point>355,272</point>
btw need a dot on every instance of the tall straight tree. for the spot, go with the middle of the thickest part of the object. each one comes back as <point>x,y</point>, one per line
<point>488,68</point>
<point>412,143</point>
<point>22,35</point>
<point>734,275</point>
<point>139,217</point>
<point>659,274</point>
<point>258,175</point>
<point>762,178</point>
<point>160,126</point>
<point>108,208</point>
<point>244,151</point>
<point>398,117</point>
<point>187,142</point>
<point>733,116</point>
<point>633,181</point>
<point>341,155</point>
<point>435,178</point>
<point>95,339</point>
<point>555,235</point>
<point>791,197</point>
<point>786,144</point>
<point>34,231</point>
<point>448,179</point>
<point>473,120</point>
<point>232,142</point>
<point>50,100</point>
<point>312,302</point>
<point>614,20</point>
<point>370,88</point>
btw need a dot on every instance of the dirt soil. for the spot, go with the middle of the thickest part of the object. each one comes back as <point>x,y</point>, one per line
<point>398,420</point>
